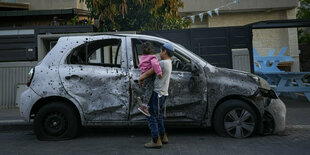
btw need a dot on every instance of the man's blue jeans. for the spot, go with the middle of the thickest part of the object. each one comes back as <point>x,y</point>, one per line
<point>155,121</point>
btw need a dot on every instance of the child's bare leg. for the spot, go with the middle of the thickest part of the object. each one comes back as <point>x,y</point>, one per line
<point>149,86</point>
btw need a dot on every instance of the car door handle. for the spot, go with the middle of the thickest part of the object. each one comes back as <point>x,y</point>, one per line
<point>73,77</point>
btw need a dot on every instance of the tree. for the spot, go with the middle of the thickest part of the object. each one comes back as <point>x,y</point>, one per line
<point>303,13</point>
<point>133,15</point>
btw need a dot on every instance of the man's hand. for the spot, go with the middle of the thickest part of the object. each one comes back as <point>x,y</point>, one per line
<point>141,82</point>
<point>145,75</point>
<point>160,76</point>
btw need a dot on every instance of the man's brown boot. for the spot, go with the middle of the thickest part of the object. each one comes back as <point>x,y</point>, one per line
<point>154,143</point>
<point>164,138</point>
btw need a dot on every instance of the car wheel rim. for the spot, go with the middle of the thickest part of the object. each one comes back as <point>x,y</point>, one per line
<point>55,124</point>
<point>239,123</point>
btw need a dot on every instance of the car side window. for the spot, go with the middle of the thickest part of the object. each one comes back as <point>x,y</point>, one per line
<point>181,62</point>
<point>137,50</point>
<point>101,52</point>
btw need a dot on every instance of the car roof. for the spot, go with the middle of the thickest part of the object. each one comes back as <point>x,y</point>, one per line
<point>118,34</point>
<point>75,40</point>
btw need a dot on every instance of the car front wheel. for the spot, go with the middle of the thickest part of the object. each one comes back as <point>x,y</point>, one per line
<point>235,118</point>
<point>56,121</point>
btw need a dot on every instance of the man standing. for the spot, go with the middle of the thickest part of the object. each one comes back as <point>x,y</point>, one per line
<point>159,95</point>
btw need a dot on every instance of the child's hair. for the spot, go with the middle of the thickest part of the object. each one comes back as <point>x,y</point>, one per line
<point>147,48</point>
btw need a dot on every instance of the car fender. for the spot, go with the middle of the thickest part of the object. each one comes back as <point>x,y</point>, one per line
<point>66,98</point>
<point>224,84</point>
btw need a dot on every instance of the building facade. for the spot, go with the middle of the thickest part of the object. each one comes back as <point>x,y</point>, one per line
<point>21,48</point>
<point>250,11</point>
<point>18,13</point>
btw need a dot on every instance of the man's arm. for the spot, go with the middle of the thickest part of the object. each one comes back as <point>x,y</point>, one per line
<point>146,74</point>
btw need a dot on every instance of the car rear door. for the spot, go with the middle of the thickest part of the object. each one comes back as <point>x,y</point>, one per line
<point>96,75</point>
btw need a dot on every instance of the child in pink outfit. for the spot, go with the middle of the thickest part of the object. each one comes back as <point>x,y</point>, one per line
<point>147,62</point>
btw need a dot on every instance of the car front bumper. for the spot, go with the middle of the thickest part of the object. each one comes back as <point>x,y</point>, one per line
<point>278,110</point>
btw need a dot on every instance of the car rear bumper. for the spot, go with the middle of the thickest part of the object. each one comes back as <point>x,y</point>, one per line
<point>27,99</point>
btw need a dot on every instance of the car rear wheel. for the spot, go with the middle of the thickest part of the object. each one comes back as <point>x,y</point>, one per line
<point>235,118</point>
<point>56,121</point>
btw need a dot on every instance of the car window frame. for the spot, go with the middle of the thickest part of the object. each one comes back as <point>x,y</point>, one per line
<point>136,57</point>
<point>86,61</point>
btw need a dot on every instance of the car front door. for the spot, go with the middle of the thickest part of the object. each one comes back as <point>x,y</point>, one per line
<point>185,101</point>
<point>96,75</point>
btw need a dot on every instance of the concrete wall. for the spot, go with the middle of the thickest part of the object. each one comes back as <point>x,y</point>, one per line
<point>53,4</point>
<point>243,5</point>
<point>80,5</point>
<point>263,39</point>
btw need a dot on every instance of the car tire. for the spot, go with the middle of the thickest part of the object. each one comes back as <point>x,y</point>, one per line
<point>56,121</point>
<point>268,123</point>
<point>235,118</point>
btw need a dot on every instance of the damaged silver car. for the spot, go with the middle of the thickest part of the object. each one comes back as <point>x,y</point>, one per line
<point>93,80</point>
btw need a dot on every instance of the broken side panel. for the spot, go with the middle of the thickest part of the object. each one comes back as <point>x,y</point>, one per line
<point>102,92</point>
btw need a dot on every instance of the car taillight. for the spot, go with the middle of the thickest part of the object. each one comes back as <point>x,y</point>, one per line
<point>30,76</point>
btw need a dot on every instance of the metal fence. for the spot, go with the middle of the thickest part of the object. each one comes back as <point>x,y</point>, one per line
<point>215,44</point>
<point>12,75</point>
<point>19,53</point>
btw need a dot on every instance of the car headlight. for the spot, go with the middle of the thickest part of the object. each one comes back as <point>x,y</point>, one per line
<point>260,81</point>
<point>264,87</point>
<point>263,84</point>
<point>254,77</point>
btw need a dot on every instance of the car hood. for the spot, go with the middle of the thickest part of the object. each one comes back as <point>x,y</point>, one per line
<point>224,82</point>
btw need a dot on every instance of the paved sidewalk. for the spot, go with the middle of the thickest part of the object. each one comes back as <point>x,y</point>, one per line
<point>10,119</point>
<point>298,115</point>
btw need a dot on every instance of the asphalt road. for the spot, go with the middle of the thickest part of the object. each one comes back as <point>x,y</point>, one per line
<point>295,140</point>
<point>181,141</point>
